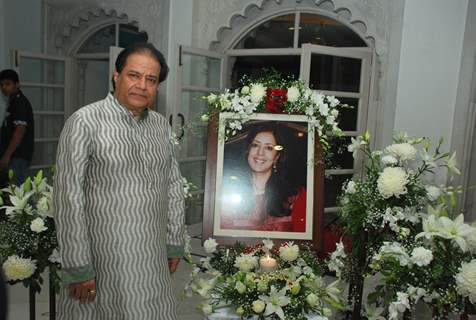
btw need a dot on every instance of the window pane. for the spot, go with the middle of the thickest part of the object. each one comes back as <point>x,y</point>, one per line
<point>253,66</point>
<point>333,189</point>
<point>48,126</point>
<point>340,157</point>
<point>194,209</point>
<point>275,33</point>
<point>324,31</point>
<point>194,141</point>
<point>200,71</point>
<point>93,80</point>
<point>194,172</point>
<point>41,71</point>
<point>335,73</point>
<point>130,34</point>
<point>44,153</point>
<point>348,116</point>
<point>45,99</point>
<point>100,41</point>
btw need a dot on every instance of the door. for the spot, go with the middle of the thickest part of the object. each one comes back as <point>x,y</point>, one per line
<point>199,73</point>
<point>345,74</point>
<point>42,79</point>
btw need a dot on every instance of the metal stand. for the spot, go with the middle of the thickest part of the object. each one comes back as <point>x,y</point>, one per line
<point>32,298</point>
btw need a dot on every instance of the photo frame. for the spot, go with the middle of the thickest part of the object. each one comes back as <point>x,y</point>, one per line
<point>235,209</point>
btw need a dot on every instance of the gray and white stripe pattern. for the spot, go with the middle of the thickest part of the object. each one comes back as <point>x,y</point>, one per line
<point>119,202</point>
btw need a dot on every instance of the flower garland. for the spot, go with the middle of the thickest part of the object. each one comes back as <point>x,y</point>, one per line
<point>276,94</point>
<point>264,281</point>
<point>28,235</point>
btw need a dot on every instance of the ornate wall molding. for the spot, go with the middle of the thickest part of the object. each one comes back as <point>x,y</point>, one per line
<point>73,22</point>
<point>368,18</point>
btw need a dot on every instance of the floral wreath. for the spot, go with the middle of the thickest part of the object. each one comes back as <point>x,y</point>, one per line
<point>276,94</point>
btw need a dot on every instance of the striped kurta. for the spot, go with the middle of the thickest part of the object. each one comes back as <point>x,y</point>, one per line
<point>119,205</point>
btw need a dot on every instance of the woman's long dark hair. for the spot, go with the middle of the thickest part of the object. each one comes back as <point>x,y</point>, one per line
<point>279,186</point>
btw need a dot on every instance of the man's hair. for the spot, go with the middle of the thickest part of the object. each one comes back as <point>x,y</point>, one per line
<point>9,74</point>
<point>144,48</point>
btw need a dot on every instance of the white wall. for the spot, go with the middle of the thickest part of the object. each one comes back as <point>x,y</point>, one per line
<point>180,33</point>
<point>430,59</point>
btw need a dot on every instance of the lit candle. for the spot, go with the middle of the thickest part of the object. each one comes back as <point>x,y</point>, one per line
<point>267,263</point>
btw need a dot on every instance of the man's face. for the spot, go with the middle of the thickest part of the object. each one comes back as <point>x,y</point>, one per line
<point>136,85</point>
<point>9,87</point>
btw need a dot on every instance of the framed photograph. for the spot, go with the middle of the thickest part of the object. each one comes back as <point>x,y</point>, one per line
<point>263,181</point>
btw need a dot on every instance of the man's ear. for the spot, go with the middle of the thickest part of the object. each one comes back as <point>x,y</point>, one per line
<point>115,75</point>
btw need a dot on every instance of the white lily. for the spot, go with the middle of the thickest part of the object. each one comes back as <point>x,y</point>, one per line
<point>275,301</point>
<point>431,228</point>
<point>374,313</point>
<point>355,145</point>
<point>451,164</point>
<point>19,203</point>
<point>456,230</point>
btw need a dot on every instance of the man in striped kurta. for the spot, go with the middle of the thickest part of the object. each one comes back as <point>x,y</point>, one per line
<point>119,202</point>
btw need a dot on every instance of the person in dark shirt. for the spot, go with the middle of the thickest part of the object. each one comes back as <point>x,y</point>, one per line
<point>17,131</point>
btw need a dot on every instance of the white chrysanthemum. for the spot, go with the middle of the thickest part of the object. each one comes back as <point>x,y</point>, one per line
<point>389,160</point>
<point>210,245</point>
<point>17,268</point>
<point>350,187</point>
<point>402,151</point>
<point>293,94</point>
<point>433,193</point>
<point>289,252</point>
<point>258,306</point>
<point>392,182</point>
<point>466,280</point>
<point>245,90</point>
<point>38,225</point>
<point>257,92</point>
<point>421,256</point>
<point>246,262</point>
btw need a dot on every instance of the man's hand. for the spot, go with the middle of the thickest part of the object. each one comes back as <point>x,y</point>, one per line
<point>4,162</point>
<point>83,291</point>
<point>173,264</point>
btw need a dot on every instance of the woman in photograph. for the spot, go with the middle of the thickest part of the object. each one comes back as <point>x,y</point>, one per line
<point>266,193</point>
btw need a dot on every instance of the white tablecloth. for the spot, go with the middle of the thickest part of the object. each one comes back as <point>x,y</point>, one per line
<point>227,314</point>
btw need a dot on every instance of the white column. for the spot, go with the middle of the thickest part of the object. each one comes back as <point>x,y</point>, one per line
<point>430,59</point>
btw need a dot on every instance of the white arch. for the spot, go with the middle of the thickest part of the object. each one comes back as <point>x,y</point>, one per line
<point>239,23</point>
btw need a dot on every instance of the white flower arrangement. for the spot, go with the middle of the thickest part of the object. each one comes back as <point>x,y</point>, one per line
<point>276,94</point>
<point>28,236</point>
<point>236,279</point>
<point>405,223</point>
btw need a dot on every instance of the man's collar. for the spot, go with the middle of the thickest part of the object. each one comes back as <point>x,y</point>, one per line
<point>125,110</point>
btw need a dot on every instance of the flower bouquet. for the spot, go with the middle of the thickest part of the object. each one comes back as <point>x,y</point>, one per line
<point>387,206</point>
<point>276,94</point>
<point>27,236</point>
<point>437,266</point>
<point>264,282</point>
